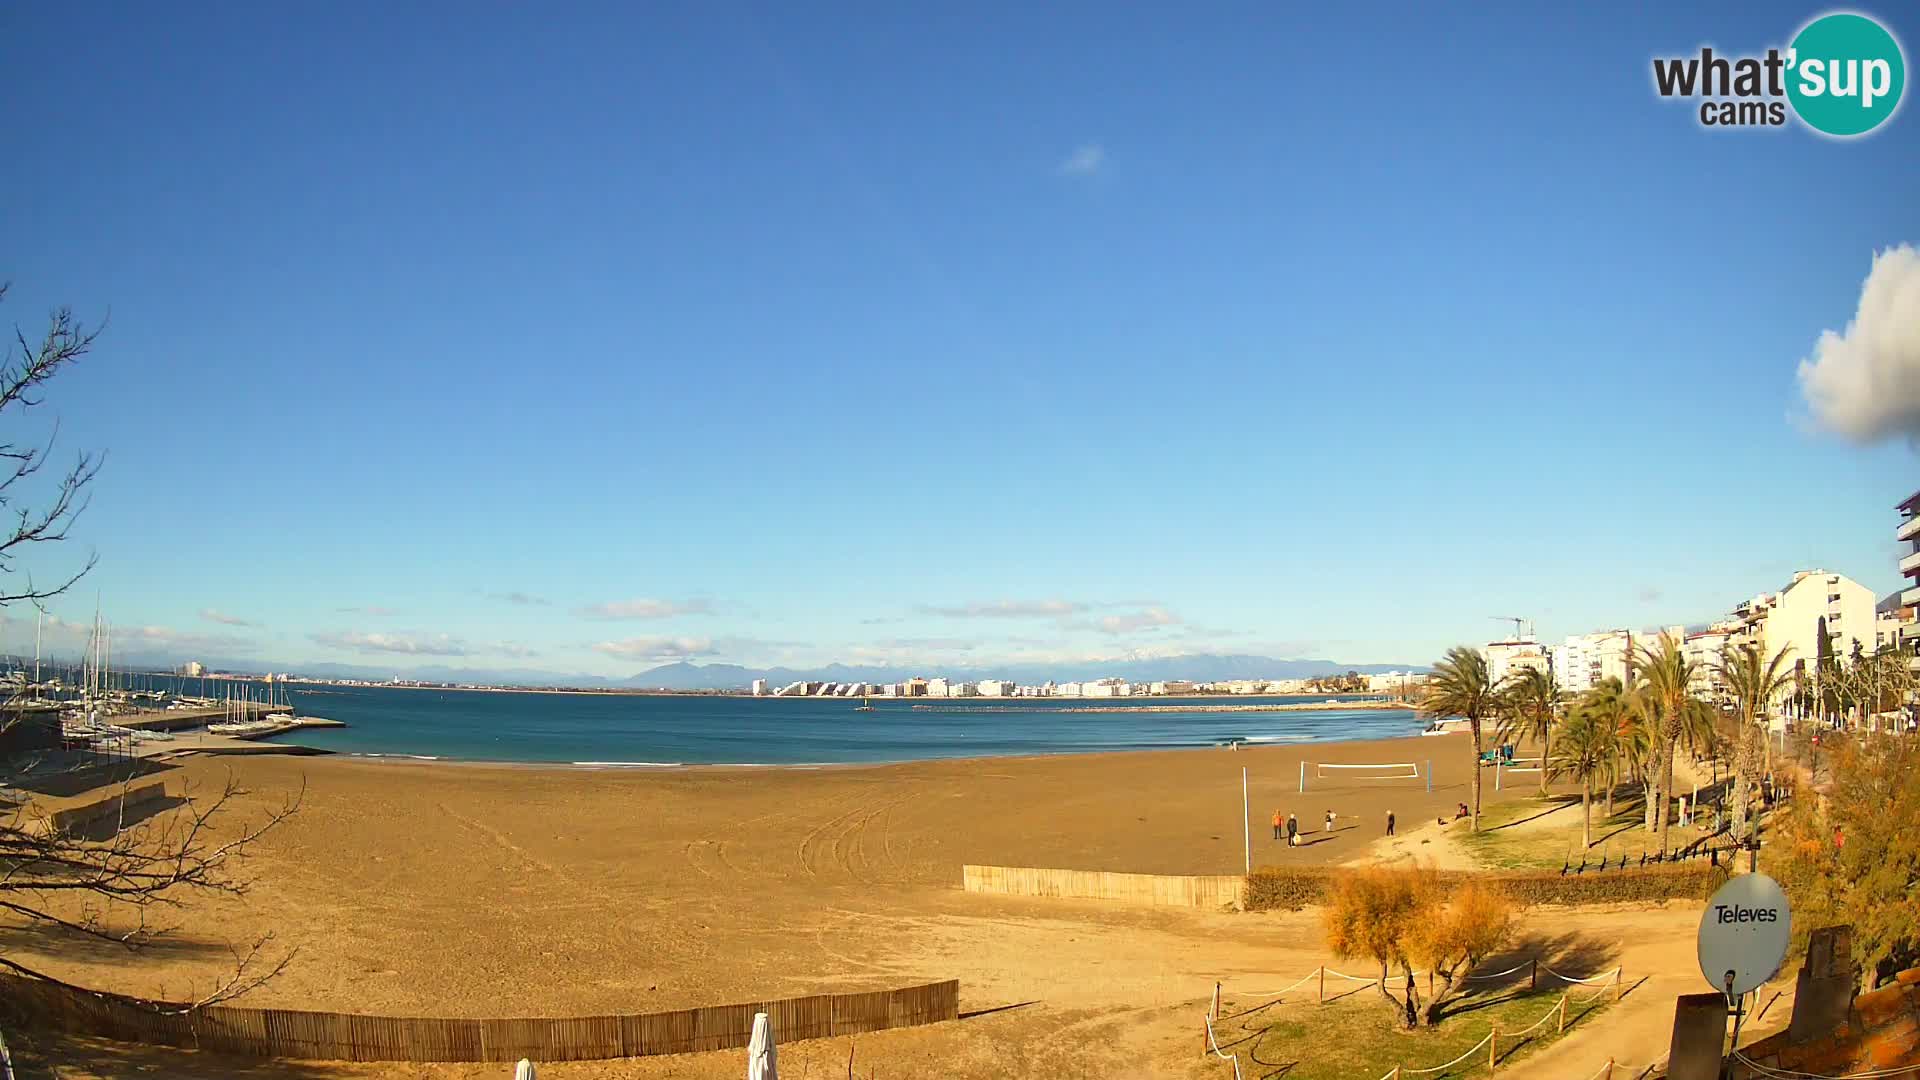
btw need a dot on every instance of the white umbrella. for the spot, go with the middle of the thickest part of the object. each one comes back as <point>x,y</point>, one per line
<point>524,1070</point>
<point>760,1063</point>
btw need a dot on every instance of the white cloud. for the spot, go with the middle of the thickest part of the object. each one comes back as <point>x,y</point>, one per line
<point>644,608</point>
<point>657,648</point>
<point>59,635</point>
<point>1139,620</point>
<point>1864,383</point>
<point>522,599</point>
<point>223,618</point>
<point>403,644</point>
<point>1008,609</point>
<point>1085,160</point>
<point>380,611</point>
<point>515,650</point>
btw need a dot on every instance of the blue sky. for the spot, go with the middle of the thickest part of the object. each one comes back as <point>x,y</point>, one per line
<point>581,338</point>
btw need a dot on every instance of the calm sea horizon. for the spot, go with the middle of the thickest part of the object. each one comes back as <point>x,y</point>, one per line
<point>670,730</point>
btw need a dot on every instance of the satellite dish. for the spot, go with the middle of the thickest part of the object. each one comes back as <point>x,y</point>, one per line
<point>1743,934</point>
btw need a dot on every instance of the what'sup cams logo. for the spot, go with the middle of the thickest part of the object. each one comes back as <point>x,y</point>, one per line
<point>1843,75</point>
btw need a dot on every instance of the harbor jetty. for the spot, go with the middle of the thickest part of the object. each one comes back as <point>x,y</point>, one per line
<point>233,729</point>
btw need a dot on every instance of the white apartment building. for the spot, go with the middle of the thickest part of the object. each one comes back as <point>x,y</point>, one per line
<point>1909,534</point>
<point>1814,602</point>
<point>1109,687</point>
<point>759,688</point>
<point>1506,657</point>
<point>936,687</point>
<point>995,688</point>
<point>1587,660</point>
<point>1892,624</point>
<point>1704,651</point>
<point>1067,689</point>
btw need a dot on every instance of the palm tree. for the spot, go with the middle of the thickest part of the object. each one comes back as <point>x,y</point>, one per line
<point>1530,704</point>
<point>1754,684</point>
<point>1609,703</point>
<point>1460,686</point>
<point>1665,674</point>
<point>1586,742</point>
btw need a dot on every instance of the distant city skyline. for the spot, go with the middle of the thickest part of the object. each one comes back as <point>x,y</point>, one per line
<point>743,336</point>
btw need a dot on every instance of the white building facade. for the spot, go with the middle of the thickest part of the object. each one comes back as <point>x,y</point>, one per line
<point>1583,661</point>
<point>1506,657</point>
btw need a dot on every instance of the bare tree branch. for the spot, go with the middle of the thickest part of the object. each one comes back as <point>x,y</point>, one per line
<point>26,368</point>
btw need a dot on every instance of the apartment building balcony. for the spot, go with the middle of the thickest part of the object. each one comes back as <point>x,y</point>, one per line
<point>1910,598</point>
<point>1910,566</point>
<point>1909,529</point>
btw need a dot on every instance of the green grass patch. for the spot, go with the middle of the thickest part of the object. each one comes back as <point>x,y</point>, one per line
<point>1509,839</point>
<point>1359,1036</point>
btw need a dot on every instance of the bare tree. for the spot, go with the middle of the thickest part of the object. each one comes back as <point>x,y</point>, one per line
<point>109,881</point>
<point>112,882</point>
<point>27,367</point>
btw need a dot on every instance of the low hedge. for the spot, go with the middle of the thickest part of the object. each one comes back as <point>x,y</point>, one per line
<point>1286,888</point>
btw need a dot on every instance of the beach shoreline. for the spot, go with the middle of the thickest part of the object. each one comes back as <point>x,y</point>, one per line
<point>1224,746</point>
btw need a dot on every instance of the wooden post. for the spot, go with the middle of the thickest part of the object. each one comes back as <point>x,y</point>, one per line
<point>1533,975</point>
<point>1609,1069</point>
<point>1323,985</point>
<point>1561,1027</point>
<point>1493,1050</point>
<point>1215,1014</point>
<point>1619,973</point>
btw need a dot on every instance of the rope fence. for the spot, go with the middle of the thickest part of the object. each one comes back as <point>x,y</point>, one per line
<point>1608,981</point>
<point>1614,1070</point>
<point>1213,1044</point>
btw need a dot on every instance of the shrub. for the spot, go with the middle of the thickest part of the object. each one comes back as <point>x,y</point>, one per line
<point>1286,888</point>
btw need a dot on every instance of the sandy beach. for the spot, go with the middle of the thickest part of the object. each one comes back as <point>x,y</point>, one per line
<point>470,890</point>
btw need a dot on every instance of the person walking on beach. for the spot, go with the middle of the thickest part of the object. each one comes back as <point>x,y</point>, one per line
<point>1389,823</point>
<point>1293,831</point>
<point>1277,823</point>
<point>1329,821</point>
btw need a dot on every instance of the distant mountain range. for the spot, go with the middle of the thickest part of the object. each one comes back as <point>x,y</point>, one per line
<point>1199,667</point>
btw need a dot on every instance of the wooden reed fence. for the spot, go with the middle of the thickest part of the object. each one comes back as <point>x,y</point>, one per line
<point>1210,891</point>
<point>346,1037</point>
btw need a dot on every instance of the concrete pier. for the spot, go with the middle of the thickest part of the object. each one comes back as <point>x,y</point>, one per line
<point>181,719</point>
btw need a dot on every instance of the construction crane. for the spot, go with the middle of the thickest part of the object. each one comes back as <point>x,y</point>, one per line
<point>1517,621</point>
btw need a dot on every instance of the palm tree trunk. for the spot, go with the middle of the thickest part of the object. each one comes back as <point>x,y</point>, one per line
<point>1546,752</point>
<point>1586,812</point>
<point>1613,781</point>
<point>1742,779</point>
<point>1476,774</point>
<point>1666,795</point>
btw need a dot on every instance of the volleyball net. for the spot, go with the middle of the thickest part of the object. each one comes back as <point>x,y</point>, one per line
<point>1320,775</point>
